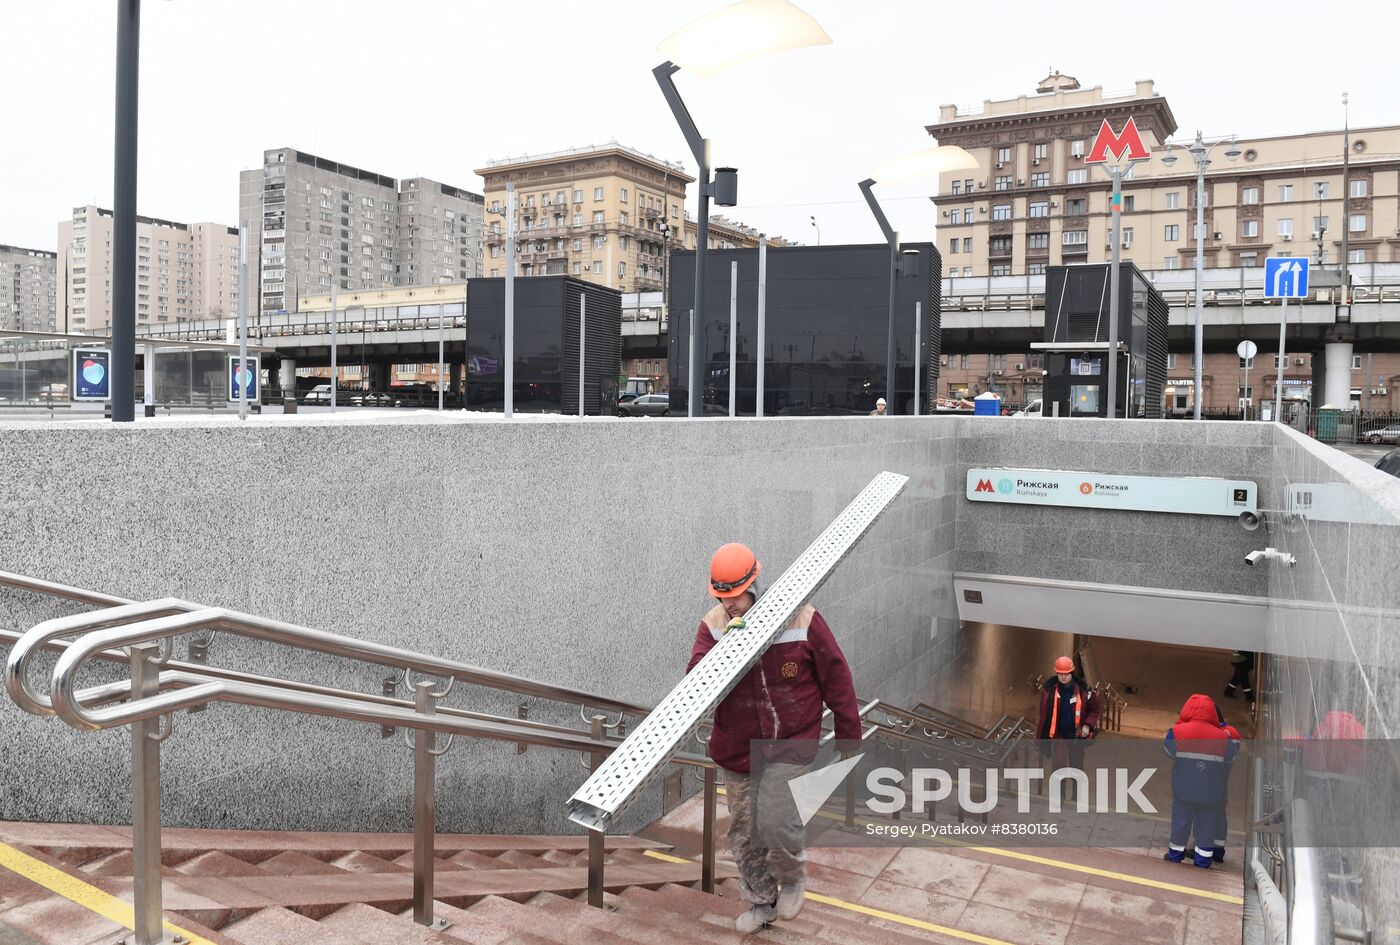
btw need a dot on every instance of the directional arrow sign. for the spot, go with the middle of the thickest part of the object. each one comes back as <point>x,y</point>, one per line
<point>1286,277</point>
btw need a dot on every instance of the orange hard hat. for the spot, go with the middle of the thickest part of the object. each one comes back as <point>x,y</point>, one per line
<point>733,569</point>
<point>1064,665</point>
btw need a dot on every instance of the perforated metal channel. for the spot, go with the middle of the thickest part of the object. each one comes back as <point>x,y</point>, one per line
<point>642,755</point>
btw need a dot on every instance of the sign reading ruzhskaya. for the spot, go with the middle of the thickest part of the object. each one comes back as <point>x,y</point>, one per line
<point>1084,490</point>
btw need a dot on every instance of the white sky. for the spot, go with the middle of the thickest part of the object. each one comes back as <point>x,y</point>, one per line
<point>415,87</point>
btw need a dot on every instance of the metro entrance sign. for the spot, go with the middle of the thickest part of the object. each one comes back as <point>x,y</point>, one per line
<point>1125,147</point>
<point>1285,277</point>
<point>1185,495</point>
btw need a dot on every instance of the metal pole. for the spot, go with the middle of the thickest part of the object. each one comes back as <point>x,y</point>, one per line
<point>890,342</point>
<point>595,837</point>
<point>424,807</point>
<point>691,354</point>
<point>1117,206</point>
<point>1346,201</point>
<point>1282,351</point>
<point>23,372</point>
<point>762,356</point>
<point>242,385</point>
<point>694,402</point>
<point>124,213</point>
<point>442,311</point>
<point>335,374</point>
<point>1244,408</point>
<point>509,353</point>
<point>918,325</point>
<point>148,379</point>
<point>1200,270</point>
<point>707,846</point>
<point>145,801</point>
<point>582,325</point>
<point>733,333</point>
<point>1370,380</point>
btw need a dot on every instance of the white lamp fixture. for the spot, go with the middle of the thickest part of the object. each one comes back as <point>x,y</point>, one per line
<point>740,32</point>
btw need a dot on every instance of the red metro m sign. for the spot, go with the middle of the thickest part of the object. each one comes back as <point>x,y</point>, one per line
<point>1109,146</point>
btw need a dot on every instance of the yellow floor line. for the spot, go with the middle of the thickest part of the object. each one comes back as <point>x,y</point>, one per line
<point>867,910</point>
<point>76,891</point>
<point>1071,867</point>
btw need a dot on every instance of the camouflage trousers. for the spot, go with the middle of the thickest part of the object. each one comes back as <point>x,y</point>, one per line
<point>766,835</point>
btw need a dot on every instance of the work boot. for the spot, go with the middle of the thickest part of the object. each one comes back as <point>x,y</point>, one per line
<point>791,899</point>
<point>1229,692</point>
<point>756,919</point>
<point>1174,856</point>
<point>1203,862</point>
<point>1218,854</point>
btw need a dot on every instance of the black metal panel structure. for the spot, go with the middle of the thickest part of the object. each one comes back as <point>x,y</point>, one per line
<point>1077,312</point>
<point>546,345</point>
<point>827,326</point>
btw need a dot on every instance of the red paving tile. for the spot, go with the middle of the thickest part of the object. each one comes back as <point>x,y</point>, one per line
<point>1041,896</point>
<point>936,871</point>
<point>1133,917</point>
<point>1009,923</point>
<point>370,925</point>
<point>56,921</point>
<point>868,861</point>
<point>915,903</point>
<point>284,926</point>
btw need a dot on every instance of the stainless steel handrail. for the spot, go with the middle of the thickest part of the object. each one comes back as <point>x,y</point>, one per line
<point>170,616</point>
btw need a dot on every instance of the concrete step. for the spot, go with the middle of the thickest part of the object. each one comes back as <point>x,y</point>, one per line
<point>277,926</point>
<point>707,919</point>
<point>376,927</point>
<point>610,923</point>
<point>293,863</point>
<point>466,926</point>
<point>524,923</point>
<point>216,863</point>
<point>359,861</point>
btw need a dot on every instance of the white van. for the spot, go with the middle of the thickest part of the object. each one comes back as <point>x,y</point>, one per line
<point>1032,409</point>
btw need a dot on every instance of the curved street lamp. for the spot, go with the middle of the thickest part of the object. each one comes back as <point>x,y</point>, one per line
<point>707,46</point>
<point>928,163</point>
<point>1200,153</point>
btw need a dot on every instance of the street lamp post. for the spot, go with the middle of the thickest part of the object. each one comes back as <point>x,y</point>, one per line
<point>1200,153</point>
<point>124,225</point>
<point>707,46</point>
<point>818,228</point>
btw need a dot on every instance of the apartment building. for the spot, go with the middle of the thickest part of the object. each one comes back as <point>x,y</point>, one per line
<point>28,289</point>
<point>1033,202</point>
<point>183,270</point>
<point>318,223</point>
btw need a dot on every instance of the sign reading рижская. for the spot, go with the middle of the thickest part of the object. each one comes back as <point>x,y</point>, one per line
<point>1187,495</point>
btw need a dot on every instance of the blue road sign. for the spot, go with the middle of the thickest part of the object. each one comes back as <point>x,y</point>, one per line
<point>248,375</point>
<point>1286,277</point>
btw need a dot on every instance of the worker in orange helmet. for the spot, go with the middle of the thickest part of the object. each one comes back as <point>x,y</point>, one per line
<point>780,698</point>
<point>1069,714</point>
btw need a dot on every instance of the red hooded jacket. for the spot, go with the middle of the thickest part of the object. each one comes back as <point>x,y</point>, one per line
<point>781,697</point>
<point>1202,751</point>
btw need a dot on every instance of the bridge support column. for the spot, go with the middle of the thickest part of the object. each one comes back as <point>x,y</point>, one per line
<point>287,374</point>
<point>1337,376</point>
<point>456,377</point>
<point>379,375</point>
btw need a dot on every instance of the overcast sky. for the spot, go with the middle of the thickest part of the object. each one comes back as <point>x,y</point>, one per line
<point>415,87</point>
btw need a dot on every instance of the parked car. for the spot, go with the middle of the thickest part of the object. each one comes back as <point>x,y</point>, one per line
<point>1390,463</point>
<point>647,405</point>
<point>372,398</point>
<point>321,394</point>
<point>1390,434</point>
<point>1033,409</point>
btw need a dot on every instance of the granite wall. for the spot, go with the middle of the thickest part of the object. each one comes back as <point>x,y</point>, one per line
<point>572,552</point>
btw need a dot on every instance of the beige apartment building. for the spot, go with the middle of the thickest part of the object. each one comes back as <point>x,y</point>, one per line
<point>28,289</point>
<point>1033,201</point>
<point>608,214</point>
<point>183,270</point>
<point>315,224</point>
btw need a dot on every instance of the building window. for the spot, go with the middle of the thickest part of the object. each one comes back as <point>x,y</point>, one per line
<point>957,186</point>
<point>1280,362</point>
<point>1319,226</point>
<point>1285,227</point>
<point>1249,229</point>
<point>1249,195</point>
<point>952,272</point>
<point>599,242</point>
<point>1171,232</point>
<point>1249,260</point>
<point>962,362</point>
<point>1246,364</point>
<point>1002,211</point>
<point>1039,208</point>
<point>1171,362</point>
<point>1074,238</point>
<point>999,246</point>
<point>597,267</point>
<point>1356,256</point>
<point>1003,155</point>
<point>1127,237</point>
<point>1129,203</point>
<point>1357,223</point>
<point>622,270</point>
<point>1077,207</point>
<point>1285,192</point>
<point>1076,148</point>
<point>578,268</point>
<point>1320,189</point>
<point>967,185</point>
<point>1038,241</point>
<point>1077,175</point>
<point>622,194</point>
<point>578,196</point>
<point>1356,362</point>
<point>1358,188</point>
<point>956,218</point>
<point>1002,183</point>
<point>578,244</point>
<point>1041,152</point>
<point>1040,179</point>
<point>952,247</point>
<point>597,217</point>
<point>1171,262</point>
<point>1035,269</point>
<point>967,248</point>
<point>1173,201</point>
